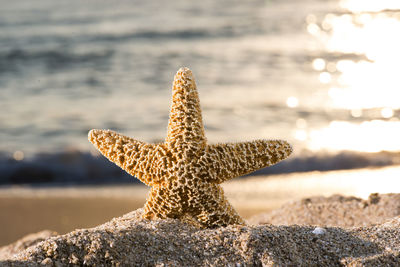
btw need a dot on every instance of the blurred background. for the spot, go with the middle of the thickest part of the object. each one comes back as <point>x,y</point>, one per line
<point>322,74</point>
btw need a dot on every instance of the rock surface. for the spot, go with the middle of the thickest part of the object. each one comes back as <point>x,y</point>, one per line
<point>132,241</point>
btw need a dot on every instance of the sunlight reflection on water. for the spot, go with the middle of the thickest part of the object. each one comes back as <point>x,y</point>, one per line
<point>368,136</point>
<point>371,81</point>
<point>369,5</point>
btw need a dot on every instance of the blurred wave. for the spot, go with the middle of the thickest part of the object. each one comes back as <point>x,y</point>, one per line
<point>80,168</point>
<point>76,168</point>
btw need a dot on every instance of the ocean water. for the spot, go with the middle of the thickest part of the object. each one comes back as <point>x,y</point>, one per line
<point>323,75</point>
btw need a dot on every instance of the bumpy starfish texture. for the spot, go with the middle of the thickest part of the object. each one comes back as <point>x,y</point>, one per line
<point>185,172</point>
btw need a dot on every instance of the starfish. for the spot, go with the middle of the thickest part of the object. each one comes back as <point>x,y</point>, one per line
<point>185,172</point>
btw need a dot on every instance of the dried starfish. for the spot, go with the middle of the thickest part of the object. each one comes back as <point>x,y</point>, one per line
<point>185,172</point>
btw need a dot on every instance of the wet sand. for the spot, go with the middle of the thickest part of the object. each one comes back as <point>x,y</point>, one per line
<point>21,216</point>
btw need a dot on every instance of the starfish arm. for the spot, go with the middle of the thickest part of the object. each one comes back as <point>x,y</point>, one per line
<point>236,159</point>
<point>137,158</point>
<point>185,124</point>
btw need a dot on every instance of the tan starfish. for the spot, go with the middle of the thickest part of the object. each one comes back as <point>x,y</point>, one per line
<point>185,172</point>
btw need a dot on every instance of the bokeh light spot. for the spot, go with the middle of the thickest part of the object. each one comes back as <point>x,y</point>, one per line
<point>292,102</point>
<point>387,113</point>
<point>318,64</point>
<point>325,77</point>
<point>18,155</point>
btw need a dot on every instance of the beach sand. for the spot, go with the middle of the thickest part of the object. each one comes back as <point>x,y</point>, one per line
<point>132,241</point>
<point>283,211</point>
